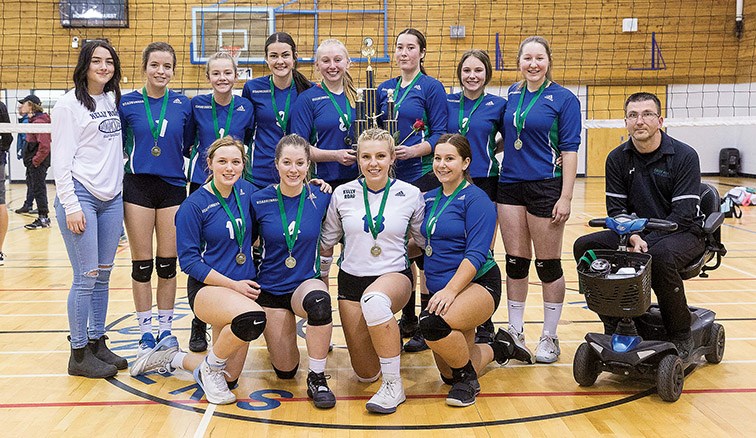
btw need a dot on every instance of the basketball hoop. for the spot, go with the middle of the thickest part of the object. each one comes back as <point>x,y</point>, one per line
<point>234,51</point>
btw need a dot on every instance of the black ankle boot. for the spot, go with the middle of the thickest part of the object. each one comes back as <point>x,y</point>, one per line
<point>84,363</point>
<point>102,352</point>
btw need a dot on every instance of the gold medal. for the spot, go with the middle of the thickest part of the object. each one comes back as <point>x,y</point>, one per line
<point>428,250</point>
<point>241,258</point>
<point>156,150</point>
<point>375,250</point>
<point>290,262</point>
<point>518,144</point>
<point>348,140</point>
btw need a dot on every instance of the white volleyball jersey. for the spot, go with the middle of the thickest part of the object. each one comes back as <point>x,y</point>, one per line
<point>347,218</point>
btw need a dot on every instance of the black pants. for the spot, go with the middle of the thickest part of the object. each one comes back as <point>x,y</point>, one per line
<point>668,255</point>
<point>29,201</point>
<point>35,177</point>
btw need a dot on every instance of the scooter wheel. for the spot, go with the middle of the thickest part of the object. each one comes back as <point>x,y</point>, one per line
<point>717,344</point>
<point>586,366</point>
<point>670,378</point>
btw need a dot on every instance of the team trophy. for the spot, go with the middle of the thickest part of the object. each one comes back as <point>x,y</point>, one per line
<point>366,107</point>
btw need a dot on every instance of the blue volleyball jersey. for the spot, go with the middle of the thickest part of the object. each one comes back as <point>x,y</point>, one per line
<point>426,101</point>
<point>242,121</point>
<point>464,230</point>
<point>267,131</point>
<point>275,277</point>
<point>316,119</point>
<point>552,126</point>
<point>205,236</point>
<point>486,121</point>
<point>138,142</point>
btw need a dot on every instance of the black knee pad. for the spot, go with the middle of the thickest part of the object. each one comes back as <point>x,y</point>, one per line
<point>433,327</point>
<point>549,270</point>
<point>286,374</point>
<point>419,262</point>
<point>517,268</point>
<point>317,304</point>
<point>141,270</point>
<point>248,326</point>
<point>166,267</point>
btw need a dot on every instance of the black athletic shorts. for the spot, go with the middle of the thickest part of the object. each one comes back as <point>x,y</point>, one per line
<point>491,281</point>
<point>489,184</point>
<point>538,197</point>
<point>151,191</point>
<point>351,287</point>
<point>427,182</point>
<point>193,287</point>
<point>193,187</point>
<point>283,301</point>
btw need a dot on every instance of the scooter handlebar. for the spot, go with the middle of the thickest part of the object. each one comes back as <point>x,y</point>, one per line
<point>661,225</point>
<point>651,225</point>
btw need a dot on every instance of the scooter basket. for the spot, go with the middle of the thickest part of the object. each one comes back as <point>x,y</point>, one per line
<point>616,294</point>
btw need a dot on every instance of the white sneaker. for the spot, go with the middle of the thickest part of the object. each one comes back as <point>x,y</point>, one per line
<point>522,352</point>
<point>158,359</point>
<point>213,382</point>
<point>548,350</point>
<point>146,344</point>
<point>388,397</point>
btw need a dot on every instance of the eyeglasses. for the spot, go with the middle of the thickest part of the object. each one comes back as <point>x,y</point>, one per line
<point>647,116</point>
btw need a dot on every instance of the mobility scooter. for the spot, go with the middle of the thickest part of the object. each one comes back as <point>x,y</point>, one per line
<point>618,284</point>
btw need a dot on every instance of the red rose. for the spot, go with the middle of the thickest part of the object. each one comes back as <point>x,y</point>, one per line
<point>418,126</point>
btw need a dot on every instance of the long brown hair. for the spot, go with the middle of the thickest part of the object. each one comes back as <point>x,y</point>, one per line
<point>421,42</point>
<point>80,74</point>
<point>462,145</point>
<point>300,81</point>
<point>480,55</point>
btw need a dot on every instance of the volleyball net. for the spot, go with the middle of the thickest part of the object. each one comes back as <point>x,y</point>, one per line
<point>699,57</point>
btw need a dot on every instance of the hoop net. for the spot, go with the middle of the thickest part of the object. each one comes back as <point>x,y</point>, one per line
<point>234,51</point>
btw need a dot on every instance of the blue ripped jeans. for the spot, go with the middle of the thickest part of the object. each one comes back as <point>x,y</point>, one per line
<point>91,254</point>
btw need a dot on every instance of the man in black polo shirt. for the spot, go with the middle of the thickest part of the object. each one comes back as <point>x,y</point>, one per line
<point>655,176</point>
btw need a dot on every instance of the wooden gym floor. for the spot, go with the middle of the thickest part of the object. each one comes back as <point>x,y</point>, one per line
<point>38,398</point>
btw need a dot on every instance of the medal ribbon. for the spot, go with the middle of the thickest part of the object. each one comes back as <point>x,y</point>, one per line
<point>239,230</point>
<point>282,121</point>
<point>375,226</point>
<point>290,239</point>
<point>433,216</point>
<point>520,118</point>
<point>398,103</point>
<point>346,118</point>
<point>464,127</point>
<point>155,128</point>
<point>228,117</point>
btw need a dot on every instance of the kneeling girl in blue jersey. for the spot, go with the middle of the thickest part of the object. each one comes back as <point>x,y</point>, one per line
<point>215,115</point>
<point>375,215</point>
<point>289,216</point>
<point>461,274</point>
<point>214,242</point>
